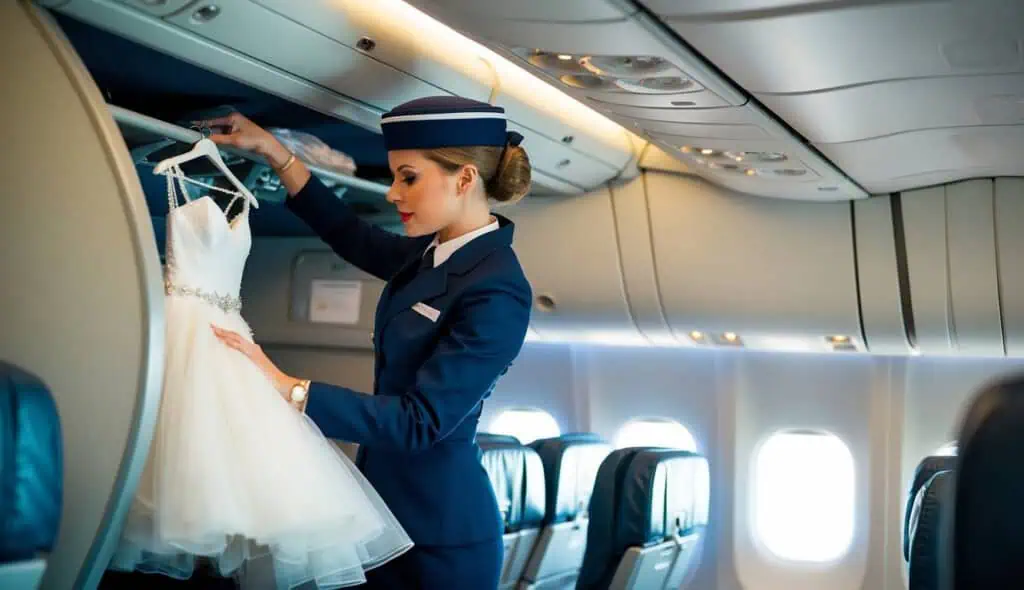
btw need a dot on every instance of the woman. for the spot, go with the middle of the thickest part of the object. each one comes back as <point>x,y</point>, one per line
<point>450,321</point>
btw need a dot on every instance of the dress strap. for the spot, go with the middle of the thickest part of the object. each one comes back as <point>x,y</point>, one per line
<point>176,173</point>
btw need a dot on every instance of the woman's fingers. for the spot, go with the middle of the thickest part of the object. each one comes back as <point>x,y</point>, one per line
<point>232,339</point>
<point>232,121</point>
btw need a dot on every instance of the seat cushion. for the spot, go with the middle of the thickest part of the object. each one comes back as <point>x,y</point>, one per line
<point>931,506</point>
<point>571,462</point>
<point>928,467</point>
<point>31,466</point>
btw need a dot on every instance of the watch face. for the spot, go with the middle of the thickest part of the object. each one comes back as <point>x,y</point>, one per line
<point>298,393</point>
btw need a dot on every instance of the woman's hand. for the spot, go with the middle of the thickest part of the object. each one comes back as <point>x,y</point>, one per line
<point>282,382</point>
<point>242,133</point>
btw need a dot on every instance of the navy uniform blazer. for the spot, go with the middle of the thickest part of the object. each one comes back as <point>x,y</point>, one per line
<point>417,433</point>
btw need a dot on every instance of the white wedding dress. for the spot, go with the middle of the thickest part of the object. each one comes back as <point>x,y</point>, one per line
<point>234,473</point>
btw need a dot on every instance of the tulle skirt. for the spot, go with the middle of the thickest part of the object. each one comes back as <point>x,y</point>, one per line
<point>238,476</point>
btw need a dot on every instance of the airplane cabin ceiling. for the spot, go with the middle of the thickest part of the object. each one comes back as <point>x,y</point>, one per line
<point>617,58</point>
<point>858,94</point>
<point>898,94</point>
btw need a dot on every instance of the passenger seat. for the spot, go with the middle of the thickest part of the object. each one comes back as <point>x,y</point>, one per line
<point>932,505</point>
<point>571,462</point>
<point>649,514</point>
<point>31,477</point>
<point>928,467</point>
<point>517,476</point>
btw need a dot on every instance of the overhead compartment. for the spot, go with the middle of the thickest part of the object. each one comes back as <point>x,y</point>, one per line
<point>742,271</point>
<point>1009,218</point>
<point>640,280</point>
<point>356,59</point>
<point>878,274</point>
<point>950,247</point>
<point>569,248</point>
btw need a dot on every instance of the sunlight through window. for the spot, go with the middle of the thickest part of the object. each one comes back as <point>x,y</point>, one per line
<point>655,433</point>
<point>804,496</point>
<point>947,450</point>
<point>525,424</point>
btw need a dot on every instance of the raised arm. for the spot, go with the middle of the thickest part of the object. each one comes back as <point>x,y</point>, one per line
<point>484,337</point>
<point>370,248</point>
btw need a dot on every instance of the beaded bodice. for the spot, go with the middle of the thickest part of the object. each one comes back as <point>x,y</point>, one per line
<point>206,253</point>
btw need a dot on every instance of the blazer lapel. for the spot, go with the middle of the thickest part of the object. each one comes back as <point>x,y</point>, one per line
<point>433,282</point>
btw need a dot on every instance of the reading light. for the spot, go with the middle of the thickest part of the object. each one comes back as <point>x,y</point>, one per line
<point>564,57</point>
<point>697,336</point>
<point>730,337</point>
<point>838,339</point>
<point>707,151</point>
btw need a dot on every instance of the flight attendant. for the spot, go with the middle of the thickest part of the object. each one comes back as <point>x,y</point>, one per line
<point>450,321</point>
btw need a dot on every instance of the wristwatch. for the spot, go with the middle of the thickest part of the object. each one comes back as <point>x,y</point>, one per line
<point>299,393</point>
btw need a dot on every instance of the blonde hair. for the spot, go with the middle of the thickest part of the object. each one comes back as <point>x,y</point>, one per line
<point>505,171</point>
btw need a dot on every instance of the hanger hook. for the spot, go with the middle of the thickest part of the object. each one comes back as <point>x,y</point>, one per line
<point>202,129</point>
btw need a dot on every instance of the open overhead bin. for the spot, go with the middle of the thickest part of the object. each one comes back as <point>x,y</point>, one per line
<point>355,59</point>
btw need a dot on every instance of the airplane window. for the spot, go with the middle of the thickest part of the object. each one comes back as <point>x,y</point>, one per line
<point>947,450</point>
<point>804,496</point>
<point>527,425</point>
<point>655,433</point>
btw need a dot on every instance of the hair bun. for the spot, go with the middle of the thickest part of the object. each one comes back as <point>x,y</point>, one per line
<point>511,181</point>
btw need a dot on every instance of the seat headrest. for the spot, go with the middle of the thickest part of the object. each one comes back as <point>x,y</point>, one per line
<point>928,467</point>
<point>31,466</point>
<point>643,496</point>
<point>486,438</point>
<point>932,505</point>
<point>570,468</point>
<point>987,543</point>
<point>505,465</point>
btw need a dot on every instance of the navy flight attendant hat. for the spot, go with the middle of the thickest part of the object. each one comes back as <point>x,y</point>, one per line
<point>445,121</point>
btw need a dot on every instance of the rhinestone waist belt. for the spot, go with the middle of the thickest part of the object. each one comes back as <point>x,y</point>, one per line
<point>225,302</point>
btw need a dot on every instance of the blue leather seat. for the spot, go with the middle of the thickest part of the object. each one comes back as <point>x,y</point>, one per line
<point>571,462</point>
<point>985,544</point>
<point>928,467</point>
<point>649,512</point>
<point>517,477</point>
<point>932,505</point>
<point>31,476</point>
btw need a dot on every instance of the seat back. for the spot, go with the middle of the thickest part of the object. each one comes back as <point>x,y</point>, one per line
<point>31,477</point>
<point>928,467</point>
<point>986,544</point>
<point>517,476</point>
<point>649,511</point>
<point>570,462</point>
<point>505,466</point>
<point>930,509</point>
